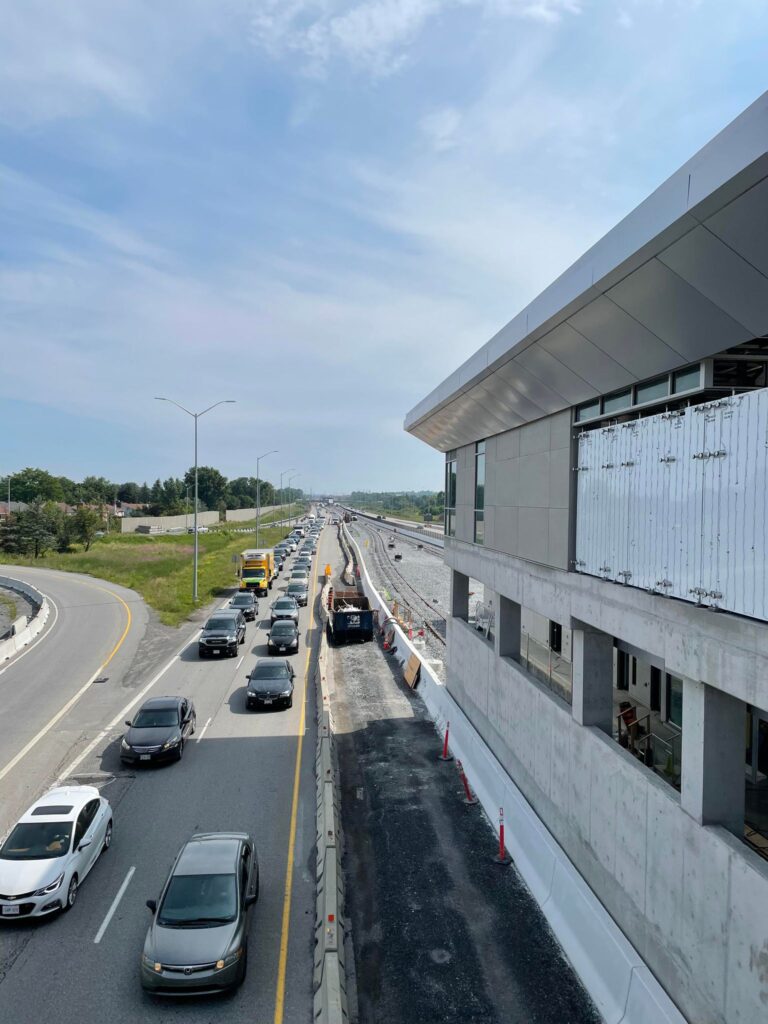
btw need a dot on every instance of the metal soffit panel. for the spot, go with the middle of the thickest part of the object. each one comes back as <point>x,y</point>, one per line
<point>577,352</point>
<point>743,225</point>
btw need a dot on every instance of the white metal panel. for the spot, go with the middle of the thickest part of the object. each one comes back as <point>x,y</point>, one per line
<point>680,502</point>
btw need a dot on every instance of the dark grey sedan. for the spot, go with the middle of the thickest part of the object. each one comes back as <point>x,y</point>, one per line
<point>270,684</point>
<point>283,638</point>
<point>197,943</point>
<point>159,731</point>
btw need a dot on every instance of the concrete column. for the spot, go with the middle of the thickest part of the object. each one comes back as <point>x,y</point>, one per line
<point>712,783</point>
<point>508,631</point>
<point>592,695</point>
<point>459,595</point>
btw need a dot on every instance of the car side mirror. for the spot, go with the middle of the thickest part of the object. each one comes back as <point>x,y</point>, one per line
<point>127,722</point>
<point>85,844</point>
<point>152,904</point>
<point>250,899</point>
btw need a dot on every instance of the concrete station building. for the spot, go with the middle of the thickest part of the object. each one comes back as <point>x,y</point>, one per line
<point>607,502</point>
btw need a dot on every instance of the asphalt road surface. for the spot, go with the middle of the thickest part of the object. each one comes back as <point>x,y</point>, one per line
<point>238,772</point>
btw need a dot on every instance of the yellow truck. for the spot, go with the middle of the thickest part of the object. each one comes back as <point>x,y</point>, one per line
<point>256,569</point>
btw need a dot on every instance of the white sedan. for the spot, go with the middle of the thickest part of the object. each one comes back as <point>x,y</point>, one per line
<point>50,851</point>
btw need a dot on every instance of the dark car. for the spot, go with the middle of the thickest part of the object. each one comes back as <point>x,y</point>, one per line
<point>283,637</point>
<point>299,592</point>
<point>159,730</point>
<point>197,943</point>
<point>280,559</point>
<point>222,633</point>
<point>247,603</point>
<point>270,684</point>
<point>302,562</point>
<point>284,608</point>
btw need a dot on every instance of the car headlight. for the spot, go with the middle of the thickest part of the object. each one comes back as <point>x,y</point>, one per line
<point>286,693</point>
<point>232,958</point>
<point>125,746</point>
<point>172,742</point>
<point>149,963</point>
<point>48,889</point>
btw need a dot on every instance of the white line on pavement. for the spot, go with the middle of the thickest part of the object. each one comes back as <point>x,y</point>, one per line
<point>203,731</point>
<point>46,633</point>
<point>122,713</point>
<point>113,908</point>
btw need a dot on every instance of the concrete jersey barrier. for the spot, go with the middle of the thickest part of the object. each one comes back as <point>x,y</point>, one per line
<point>612,971</point>
<point>31,627</point>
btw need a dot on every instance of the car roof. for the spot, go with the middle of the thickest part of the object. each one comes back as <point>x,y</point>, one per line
<point>74,797</point>
<point>209,853</point>
<point>226,613</point>
<point>284,624</point>
<point>161,702</point>
<point>271,664</point>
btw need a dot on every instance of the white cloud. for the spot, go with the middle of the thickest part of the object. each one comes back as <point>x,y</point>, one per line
<point>373,35</point>
<point>441,127</point>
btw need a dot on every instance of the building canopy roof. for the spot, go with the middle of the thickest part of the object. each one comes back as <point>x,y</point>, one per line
<point>685,275</point>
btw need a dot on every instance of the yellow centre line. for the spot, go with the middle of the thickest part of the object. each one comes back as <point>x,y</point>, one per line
<point>283,962</point>
<point>74,699</point>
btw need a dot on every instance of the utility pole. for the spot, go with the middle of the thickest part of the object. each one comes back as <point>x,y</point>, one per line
<point>258,491</point>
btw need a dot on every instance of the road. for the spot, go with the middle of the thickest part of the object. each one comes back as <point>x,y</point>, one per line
<point>238,773</point>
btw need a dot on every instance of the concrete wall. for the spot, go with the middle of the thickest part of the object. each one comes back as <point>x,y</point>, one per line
<point>237,515</point>
<point>31,628</point>
<point>692,900</point>
<point>527,491</point>
<point>241,515</point>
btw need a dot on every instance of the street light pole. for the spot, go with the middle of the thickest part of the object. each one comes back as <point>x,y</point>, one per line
<point>290,512</point>
<point>282,495</point>
<point>196,416</point>
<point>258,491</point>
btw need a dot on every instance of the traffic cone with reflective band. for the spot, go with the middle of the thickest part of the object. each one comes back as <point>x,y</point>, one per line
<point>469,796</point>
<point>445,756</point>
<point>502,858</point>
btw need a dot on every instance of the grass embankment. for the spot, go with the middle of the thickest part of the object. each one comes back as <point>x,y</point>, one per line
<point>293,511</point>
<point>11,608</point>
<point>159,568</point>
<point>411,514</point>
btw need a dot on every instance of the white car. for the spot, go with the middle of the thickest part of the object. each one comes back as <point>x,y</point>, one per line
<point>48,854</point>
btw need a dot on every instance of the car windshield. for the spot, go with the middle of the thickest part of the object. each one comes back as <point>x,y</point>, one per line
<point>242,601</point>
<point>254,574</point>
<point>199,900</point>
<point>39,840</point>
<point>220,624</point>
<point>296,588</point>
<point>285,604</point>
<point>270,670</point>
<point>282,628</point>
<point>155,718</point>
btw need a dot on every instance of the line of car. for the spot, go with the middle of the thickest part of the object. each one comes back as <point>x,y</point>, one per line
<point>197,941</point>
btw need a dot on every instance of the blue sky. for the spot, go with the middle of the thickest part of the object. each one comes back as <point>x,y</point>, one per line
<point>315,207</point>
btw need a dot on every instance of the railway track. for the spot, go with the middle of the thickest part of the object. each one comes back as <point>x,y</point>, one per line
<point>404,591</point>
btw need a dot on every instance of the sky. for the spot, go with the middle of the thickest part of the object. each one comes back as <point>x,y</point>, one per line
<point>317,208</point>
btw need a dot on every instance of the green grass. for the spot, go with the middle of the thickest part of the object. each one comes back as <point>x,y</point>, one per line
<point>411,514</point>
<point>266,518</point>
<point>159,568</point>
<point>10,606</point>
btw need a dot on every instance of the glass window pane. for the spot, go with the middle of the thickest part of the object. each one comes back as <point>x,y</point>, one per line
<point>652,390</point>
<point>480,481</point>
<point>480,448</point>
<point>685,380</point>
<point>588,410</point>
<point>675,700</point>
<point>479,527</point>
<point>618,401</point>
<point>450,522</point>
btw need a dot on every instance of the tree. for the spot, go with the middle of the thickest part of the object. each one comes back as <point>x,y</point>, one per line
<point>38,527</point>
<point>32,484</point>
<point>211,485</point>
<point>86,521</point>
<point>144,494</point>
<point>129,492</point>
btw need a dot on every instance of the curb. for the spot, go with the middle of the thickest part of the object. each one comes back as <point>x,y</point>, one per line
<point>33,626</point>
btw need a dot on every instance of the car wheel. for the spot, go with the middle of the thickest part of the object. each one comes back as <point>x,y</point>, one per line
<point>193,730</point>
<point>290,702</point>
<point>107,836</point>
<point>181,751</point>
<point>71,893</point>
<point>243,968</point>
<point>242,639</point>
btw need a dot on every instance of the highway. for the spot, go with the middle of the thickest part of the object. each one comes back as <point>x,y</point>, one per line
<point>243,770</point>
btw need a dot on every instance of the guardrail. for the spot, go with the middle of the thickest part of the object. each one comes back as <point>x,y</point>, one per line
<point>401,531</point>
<point>21,636</point>
<point>329,978</point>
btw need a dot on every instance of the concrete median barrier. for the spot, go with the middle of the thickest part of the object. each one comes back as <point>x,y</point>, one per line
<point>329,978</point>
<point>24,630</point>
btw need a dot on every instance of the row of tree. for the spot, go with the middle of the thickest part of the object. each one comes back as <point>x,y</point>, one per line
<point>164,497</point>
<point>44,526</point>
<point>429,503</point>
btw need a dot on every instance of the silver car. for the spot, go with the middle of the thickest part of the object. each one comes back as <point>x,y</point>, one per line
<point>198,940</point>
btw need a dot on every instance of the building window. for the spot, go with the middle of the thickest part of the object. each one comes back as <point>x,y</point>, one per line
<point>739,373</point>
<point>480,492</point>
<point>555,637</point>
<point>687,380</point>
<point>652,390</point>
<point>675,700</point>
<point>617,402</point>
<point>587,410</point>
<point>450,495</point>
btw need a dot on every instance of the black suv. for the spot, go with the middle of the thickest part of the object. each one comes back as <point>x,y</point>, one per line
<point>247,603</point>
<point>222,633</point>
